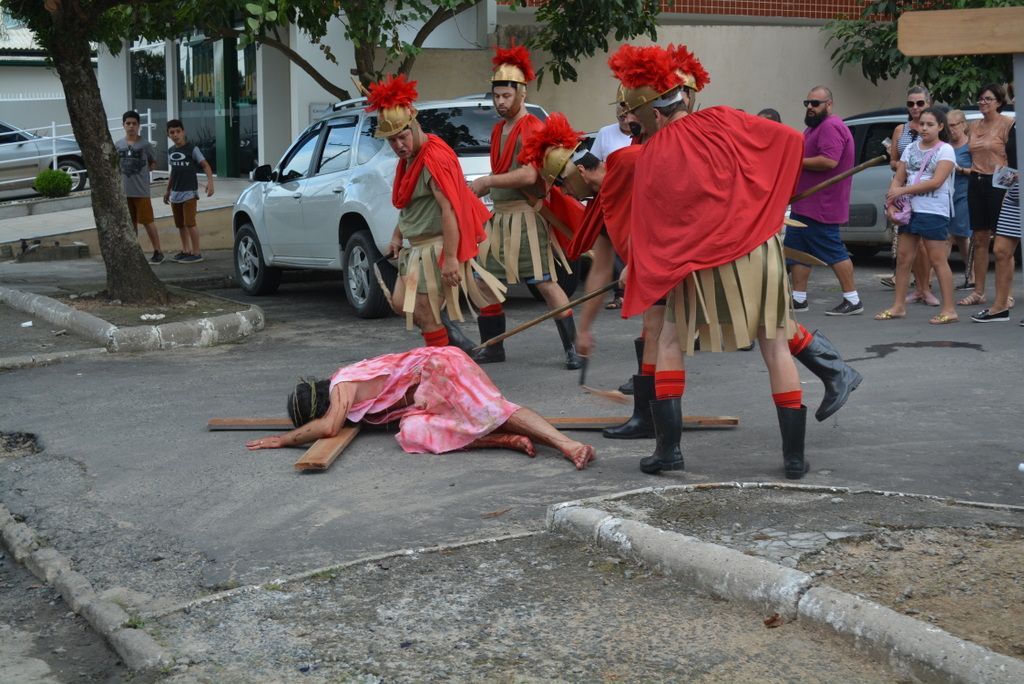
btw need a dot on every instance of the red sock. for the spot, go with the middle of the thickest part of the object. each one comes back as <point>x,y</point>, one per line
<point>437,338</point>
<point>492,310</point>
<point>669,384</point>
<point>800,340</point>
<point>647,369</point>
<point>791,400</point>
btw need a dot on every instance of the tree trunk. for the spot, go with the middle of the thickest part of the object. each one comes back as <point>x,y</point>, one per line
<point>129,276</point>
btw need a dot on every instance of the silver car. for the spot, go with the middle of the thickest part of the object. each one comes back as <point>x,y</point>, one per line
<point>24,154</point>
<point>868,230</point>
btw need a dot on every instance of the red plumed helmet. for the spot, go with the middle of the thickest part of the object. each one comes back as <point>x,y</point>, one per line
<point>695,75</point>
<point>640,67</point>
<point>512,64</point>
<point>391,92</point>
<point>557,132</point>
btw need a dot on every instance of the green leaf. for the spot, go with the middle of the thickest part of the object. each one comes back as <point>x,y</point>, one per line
<point>254,24</point>
<point>271,16</point>
<point>253,9</point>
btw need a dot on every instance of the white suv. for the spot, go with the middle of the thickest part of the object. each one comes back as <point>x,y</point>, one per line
<point>327,203</point>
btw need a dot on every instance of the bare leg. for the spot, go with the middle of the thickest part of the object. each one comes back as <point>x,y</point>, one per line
<point>904,262</point>
<point>526,422</point>
<point>193,233</point>
<point>936,251</point>
<point>922,271</point>
<point>154,236</point>
<point>670,354</point>
<point>554,296</point>
<point>504,440</point>
<point>422,314</point>
<point>599,275</point>
<point>654,322</point>
<point>1004,249</point>
<point>982,239</point>
<point>781,369</point>
<point>844,273</point>
<point>799,275</point>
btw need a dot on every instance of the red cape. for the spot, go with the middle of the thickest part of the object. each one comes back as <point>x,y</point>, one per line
<point>501,161</point>
<point>707,190</point>
<point>590,228</point>
<point>617,197</point>
<point>444,167</point>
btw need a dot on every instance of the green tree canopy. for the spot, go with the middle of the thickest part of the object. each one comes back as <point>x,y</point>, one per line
<point>871,42</point>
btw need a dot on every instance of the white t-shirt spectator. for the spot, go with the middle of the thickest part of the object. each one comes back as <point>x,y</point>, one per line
<point>609,139</point>
<point>939,201</point>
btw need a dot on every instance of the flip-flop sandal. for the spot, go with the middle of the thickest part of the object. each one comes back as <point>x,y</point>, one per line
<point>943,319</point>
<point>930,299</point>
<point>614,304</point>
<point>888,315</point>
<point>972,299</point>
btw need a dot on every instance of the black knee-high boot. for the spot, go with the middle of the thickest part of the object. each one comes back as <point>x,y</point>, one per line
<point>668,426</point>
<point>638,345</point>
<point>456,338</point>
<point>640,425</point>
<point>490,326</point>
<point>792,425</point>
<point>823,359</point>
<point>567,331</point>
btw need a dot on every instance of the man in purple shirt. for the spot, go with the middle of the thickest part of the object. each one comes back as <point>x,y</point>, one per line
<point>828,151</point>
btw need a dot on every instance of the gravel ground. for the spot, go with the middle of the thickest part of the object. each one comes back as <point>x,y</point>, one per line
<point>958,567</point>
<point>533,609</point>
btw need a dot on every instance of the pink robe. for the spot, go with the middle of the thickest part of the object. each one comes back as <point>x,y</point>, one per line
<point>455,402</point>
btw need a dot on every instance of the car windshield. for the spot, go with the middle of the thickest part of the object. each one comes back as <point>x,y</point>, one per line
<point>467,129</point>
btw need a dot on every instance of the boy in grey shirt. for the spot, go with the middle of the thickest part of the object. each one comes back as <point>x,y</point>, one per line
<point>137,159</point>
<point>184,160</point>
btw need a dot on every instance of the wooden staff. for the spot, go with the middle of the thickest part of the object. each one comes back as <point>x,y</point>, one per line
<point>550,314</point>
<point>880,159</point>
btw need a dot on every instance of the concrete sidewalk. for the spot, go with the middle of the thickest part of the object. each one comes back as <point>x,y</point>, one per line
<point>78,224</point>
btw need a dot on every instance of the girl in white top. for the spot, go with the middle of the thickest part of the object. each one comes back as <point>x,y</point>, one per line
<point>924,174</point>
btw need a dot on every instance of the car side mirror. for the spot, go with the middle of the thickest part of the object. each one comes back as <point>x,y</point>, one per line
<point>262,174</point>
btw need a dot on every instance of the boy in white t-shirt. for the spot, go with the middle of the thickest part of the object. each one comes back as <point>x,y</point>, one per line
<point>925,175</point>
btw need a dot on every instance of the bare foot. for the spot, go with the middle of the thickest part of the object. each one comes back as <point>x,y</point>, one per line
<point>581,454</point>
<point>505,440</point>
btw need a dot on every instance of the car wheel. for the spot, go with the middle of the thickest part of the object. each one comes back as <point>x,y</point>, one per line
<point>252,272</point>
<point>567,281</point>
<point>76,170</point>
<point>361,287</point>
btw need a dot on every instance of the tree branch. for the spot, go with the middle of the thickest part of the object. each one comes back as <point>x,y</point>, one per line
<point>439,16</point>
<point>295,58</point>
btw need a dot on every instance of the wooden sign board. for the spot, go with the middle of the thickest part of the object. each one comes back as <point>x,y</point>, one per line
<point>994,30</point>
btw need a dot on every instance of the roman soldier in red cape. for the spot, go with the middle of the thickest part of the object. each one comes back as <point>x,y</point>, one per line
<point>709,195</point>
<point>439,216</point>
<point>529,229</point>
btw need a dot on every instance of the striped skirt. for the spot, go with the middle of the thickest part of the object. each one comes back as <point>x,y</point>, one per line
<point>1009,215</point>
<point>421,274</point>
<point>724,306</point>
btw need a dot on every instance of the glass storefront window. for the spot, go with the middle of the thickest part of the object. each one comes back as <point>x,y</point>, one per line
<point>148,70</point>
<point>196,88</point>
<point>245,104</point>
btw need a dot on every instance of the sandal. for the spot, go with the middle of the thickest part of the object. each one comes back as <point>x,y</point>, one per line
<point>972,299</point>
<point>942,319</point>
<point>888,315</point>
<point>914,298</point>
<point>930,299</point>
<point>614,304</point>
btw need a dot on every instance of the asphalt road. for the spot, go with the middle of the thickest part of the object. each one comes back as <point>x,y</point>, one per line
<point>132,487</point>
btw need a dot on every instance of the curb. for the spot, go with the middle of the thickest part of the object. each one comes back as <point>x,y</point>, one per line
<point>201,332</point>
<point>32,360</point>
<point>911,647</point>
<point>136,648</point>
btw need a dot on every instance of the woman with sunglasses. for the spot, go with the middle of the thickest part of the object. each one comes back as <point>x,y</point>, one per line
<point>918,99</point>
<point>988,152</point>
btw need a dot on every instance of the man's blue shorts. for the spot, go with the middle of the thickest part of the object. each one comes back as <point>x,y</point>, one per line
<point>817,239</point>
<point>927,226</point>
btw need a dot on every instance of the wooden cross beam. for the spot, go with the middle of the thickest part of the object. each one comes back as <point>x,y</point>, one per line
<point>324,452</point>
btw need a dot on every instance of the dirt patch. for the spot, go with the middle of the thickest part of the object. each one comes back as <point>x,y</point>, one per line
<point>969,582</point>
<point>17,445</point>
<point>183,305</point>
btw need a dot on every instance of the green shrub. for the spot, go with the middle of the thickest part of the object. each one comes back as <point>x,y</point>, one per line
<point>53,183</point>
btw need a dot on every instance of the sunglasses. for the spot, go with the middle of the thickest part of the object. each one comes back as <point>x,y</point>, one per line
<point>814,103</point>
<point>915,103</point>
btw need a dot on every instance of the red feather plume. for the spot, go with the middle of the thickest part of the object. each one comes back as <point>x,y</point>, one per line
<point>557,132</point>
<point>516,55</point>
<point>686,62</point>
<point>648,66</point>
<point>391,92</point>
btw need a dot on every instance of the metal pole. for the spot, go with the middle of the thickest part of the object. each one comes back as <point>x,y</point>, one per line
<point>149,125</point>
<point>53,142</point>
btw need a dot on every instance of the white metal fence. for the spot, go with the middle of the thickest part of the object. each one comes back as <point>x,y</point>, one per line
<point>50,149</point>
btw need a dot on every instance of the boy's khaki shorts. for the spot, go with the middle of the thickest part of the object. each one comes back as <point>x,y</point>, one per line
<point>185,213</point>
<point>141,210</point>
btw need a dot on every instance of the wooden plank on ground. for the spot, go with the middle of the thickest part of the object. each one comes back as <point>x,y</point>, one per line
<point>325,451</point>
<point>252,424</point>
<point>980,31</point>
<point>602,422</point>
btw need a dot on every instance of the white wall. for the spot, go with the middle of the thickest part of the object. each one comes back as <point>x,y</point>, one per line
<point>31,96</point>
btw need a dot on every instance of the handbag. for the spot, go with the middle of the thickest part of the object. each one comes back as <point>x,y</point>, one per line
<point>900,208</point>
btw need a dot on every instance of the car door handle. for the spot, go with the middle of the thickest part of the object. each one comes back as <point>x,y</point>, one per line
<point>297,195</point>
<point>338,188</point>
